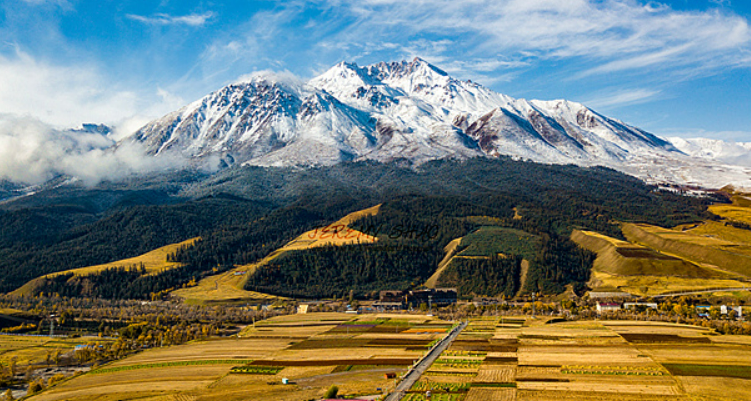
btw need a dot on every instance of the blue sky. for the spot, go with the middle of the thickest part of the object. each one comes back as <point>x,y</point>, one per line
<point>673,67</point>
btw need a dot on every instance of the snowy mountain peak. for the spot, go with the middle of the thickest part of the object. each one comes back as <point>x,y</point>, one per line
<point>400,110</point>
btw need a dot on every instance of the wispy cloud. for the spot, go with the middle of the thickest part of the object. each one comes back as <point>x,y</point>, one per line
<point>166,19</point>
<point>61,3</point>
<point>482,39</point>
<point>623,97</point>
<point>613,35</point>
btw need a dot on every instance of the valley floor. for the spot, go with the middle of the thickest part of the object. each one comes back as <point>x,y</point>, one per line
<point>494,358</point>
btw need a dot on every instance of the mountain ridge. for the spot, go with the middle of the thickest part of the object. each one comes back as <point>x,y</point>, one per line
<point>414,111</point>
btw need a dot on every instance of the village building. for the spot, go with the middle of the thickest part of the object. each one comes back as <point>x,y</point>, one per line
<point>636,305</point>
<point>603,307</point>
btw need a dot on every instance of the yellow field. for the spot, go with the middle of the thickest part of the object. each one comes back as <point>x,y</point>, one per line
<point>487,394</point>
<point>715,388</point>
<point>228,286</point>
<point>32,349</point>
<point>154,262</point>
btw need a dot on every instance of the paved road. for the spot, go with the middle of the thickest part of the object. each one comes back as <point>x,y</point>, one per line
<point>414,374</point>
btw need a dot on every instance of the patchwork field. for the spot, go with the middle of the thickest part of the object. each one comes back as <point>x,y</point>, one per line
<point>508,358</point>
<point>590,361</point>
<point>312,351</point>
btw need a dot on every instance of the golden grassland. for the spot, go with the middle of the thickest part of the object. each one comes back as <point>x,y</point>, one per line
<point>731,257</point>
<point>689,257</point>
<point>736,213</point>
<point>228,287</point>
<point>154,262</point>
<point>655,285</point>
<point>719,230</point>
<point>620,258</point>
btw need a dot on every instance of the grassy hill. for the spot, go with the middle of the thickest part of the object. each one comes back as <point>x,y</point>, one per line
<point>490,254</point>
<point>730,257</point>
<point>622,258</point>
<point>153,262</point>
<point>229,286</point>
<point>644,271</point>
<point>489,240</point>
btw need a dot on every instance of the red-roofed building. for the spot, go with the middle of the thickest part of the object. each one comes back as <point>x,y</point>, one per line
<point>608,307</point>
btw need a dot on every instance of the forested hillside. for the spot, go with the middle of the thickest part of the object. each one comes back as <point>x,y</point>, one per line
<point>245,213</point>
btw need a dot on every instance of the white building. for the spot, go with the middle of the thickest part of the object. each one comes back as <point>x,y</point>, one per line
<point>608,307</point>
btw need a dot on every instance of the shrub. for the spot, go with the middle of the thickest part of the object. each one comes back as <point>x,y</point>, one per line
<point>331,392</point>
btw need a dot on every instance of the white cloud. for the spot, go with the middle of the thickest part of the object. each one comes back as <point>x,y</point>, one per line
<point>166,19</point>
<point>32,152</point>
<point>65,96</point>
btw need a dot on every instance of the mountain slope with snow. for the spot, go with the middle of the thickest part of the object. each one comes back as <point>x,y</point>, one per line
<point>738,153</point>
<point>409,111</point>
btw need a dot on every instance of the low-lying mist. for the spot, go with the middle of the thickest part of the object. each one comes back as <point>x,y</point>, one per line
<point>32,152</point>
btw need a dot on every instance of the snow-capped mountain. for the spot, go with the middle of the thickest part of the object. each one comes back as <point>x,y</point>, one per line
<point>402,110</point>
